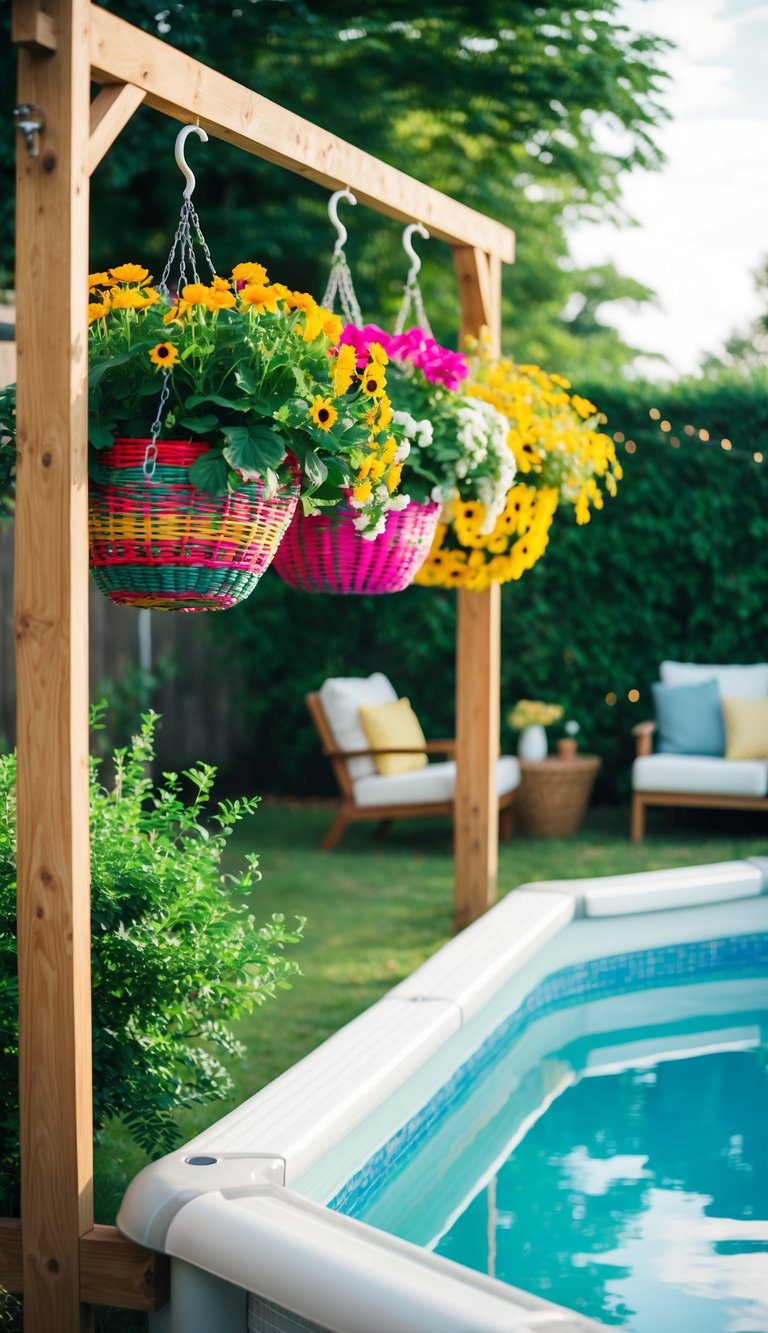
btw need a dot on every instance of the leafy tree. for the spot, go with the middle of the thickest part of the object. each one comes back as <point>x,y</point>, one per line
<point>501,104</point>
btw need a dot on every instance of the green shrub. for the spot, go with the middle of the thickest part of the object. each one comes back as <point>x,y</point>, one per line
<point>176,956</point>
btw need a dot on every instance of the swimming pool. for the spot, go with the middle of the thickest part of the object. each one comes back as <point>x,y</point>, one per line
<point>561,991</point>
<point>619,1110</point>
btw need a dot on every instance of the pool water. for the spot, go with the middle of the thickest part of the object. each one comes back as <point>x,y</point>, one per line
<point>604,1147</point>
<point>640,1199</point>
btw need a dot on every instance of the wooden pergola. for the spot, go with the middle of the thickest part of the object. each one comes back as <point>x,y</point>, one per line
<point>55,1255</point>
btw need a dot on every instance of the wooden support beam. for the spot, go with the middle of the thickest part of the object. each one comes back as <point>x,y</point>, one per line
<point>51,620</point>
<point>478,657</point>
<point>111,109</point>
<point>32,27</point>
<point>113,1271</point>
<point>11,1266</point>
<point>188,91</point>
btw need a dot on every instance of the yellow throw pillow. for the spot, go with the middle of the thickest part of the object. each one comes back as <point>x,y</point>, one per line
<point>746,728</point>
<point>393,724</point>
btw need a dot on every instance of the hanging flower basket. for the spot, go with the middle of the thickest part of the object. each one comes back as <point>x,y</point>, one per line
<point>164,544</point>
<point>326,553</point>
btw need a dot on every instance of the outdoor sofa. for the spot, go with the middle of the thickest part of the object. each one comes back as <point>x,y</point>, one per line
<point>711,741</point>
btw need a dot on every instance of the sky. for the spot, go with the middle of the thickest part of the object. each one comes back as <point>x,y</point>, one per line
<point>703,219</point>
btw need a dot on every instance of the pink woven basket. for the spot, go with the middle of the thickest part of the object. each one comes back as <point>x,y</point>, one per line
<point>325,552</point>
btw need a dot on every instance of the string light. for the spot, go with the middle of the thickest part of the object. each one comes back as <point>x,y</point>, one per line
<point>610,699</point>
<point>690,430</point>
<point>633,696</point>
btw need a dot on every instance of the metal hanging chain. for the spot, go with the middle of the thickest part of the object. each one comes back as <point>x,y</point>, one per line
<point>340,282</point>
<point>150,453</point>
<point>183,251</point>
<point>411,290</point>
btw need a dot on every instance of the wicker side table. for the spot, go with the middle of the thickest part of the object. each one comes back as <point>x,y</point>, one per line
<point>553,795</point>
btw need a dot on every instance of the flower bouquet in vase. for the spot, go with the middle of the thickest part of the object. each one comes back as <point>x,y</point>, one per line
<point>531,717</point>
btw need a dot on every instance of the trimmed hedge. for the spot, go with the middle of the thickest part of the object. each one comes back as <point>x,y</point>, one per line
<point>675,566</point>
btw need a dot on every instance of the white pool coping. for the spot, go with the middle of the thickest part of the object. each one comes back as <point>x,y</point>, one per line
<point>180,1206</point>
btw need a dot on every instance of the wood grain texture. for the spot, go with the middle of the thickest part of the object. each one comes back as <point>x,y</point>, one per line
<point>51,620</point>
<point>478,656</point>
<point>111,109</point>
<point>32,27</point>
<point>188,91</point>
<point>113,1271</point>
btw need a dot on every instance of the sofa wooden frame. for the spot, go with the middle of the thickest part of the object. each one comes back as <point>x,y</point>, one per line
<point>350,812</point>
<point>643,733</point>
<point>61,1262</point>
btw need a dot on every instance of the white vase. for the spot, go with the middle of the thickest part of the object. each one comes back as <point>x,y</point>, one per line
<point>532,742</point>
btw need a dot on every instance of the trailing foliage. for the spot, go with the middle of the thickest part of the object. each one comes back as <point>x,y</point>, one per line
<point>676,566</point>
<point>176,954</point>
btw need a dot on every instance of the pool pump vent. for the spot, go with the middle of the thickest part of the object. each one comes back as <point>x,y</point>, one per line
<point>266,1317</point>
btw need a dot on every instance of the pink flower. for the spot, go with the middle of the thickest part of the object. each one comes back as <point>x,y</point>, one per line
<point>416,347</point>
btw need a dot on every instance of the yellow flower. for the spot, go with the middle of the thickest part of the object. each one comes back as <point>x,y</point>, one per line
<point>313,326</point>
<point>97,309</point>
<point>332,326</point>
<point>301,301</point>
<point>249,273</point>
<point>363,492</point>
<point>373,380</point>
<point>196,293</point>
<point>393,477</point>
<point>132,298</point>
<point>263,298</point>
<point>130,273</point>
<point>344,370</point>
<point>378,355</point>
<point>220,299</point>
<point>164,354</point>
<point>99,280</point>
<point>323,413</point>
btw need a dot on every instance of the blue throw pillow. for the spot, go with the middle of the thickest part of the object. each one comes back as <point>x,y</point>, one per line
<point>689,718</point>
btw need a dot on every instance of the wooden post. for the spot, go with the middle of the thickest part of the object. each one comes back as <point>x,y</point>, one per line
<point>476,819</point>
<point>51,619</point>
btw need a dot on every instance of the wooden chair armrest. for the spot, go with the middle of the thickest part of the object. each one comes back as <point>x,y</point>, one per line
<point>429,747</point>
<point>643,734</point>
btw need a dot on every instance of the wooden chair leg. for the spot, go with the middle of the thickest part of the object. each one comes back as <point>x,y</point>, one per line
<point>505,824</point>
<point>381,828</point>
<point>637,827</point>
<point>335,833</point>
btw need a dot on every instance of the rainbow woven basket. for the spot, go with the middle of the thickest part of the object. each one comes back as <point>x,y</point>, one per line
<point>325,552</point>
<point>165,544</point>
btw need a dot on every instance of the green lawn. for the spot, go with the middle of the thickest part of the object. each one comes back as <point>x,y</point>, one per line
<point>377,908</point>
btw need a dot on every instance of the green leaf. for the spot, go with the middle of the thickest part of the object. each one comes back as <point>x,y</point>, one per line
<point>99,369</point>
<point>100,434</point>
<point>209,473</point>
<point>199,424</point>
<point>253,448</point>
<point>234,405</point>
<point>312,465</point>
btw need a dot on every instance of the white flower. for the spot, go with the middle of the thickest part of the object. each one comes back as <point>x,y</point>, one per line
<point>402,452</point>
<point>377,530</point>
<point>425,434</point>
<point>399,501</point>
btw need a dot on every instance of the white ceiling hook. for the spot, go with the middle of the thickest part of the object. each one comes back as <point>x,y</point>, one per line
<point>420,230</point>
<point>333,213</point>
<point>181,161</point>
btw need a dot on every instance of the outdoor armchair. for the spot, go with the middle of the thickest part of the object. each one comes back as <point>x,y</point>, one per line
<point>365,792</point>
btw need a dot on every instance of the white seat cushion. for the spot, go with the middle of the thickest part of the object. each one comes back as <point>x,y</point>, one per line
<point>424,786</point>
<point>733,682</point>
<point>341,697</point>
<point>700,775</point>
